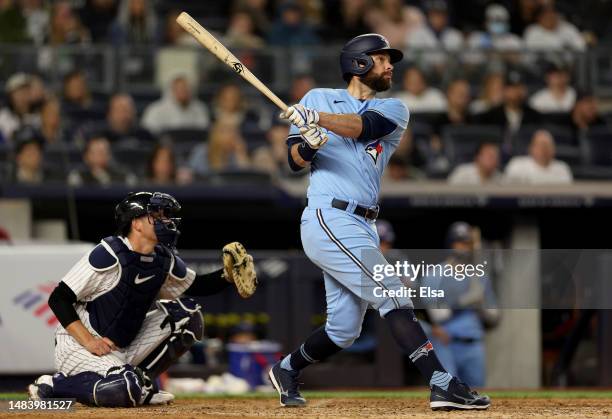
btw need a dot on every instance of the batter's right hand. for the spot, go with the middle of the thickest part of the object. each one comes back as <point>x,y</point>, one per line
<point>98,346</point>
<point>314,136</point>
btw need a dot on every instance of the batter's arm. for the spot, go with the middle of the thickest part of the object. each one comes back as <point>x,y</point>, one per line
<point>345,125</point>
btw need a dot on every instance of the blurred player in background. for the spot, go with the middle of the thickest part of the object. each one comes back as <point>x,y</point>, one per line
<point>457,331</point>
<point>124,319</point>
<point>338,226</point>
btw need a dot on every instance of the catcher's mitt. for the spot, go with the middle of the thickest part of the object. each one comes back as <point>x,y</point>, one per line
<point>238,268</point>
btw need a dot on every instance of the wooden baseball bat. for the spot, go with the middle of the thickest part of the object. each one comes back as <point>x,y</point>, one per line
<point>221,52</point>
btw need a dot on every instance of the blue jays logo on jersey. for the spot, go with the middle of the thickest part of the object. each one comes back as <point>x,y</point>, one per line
<point>374,149</point>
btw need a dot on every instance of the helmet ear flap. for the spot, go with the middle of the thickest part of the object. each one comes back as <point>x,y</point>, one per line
<point>362,64</point>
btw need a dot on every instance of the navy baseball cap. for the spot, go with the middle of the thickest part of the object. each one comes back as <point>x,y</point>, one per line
<point>459,232</point>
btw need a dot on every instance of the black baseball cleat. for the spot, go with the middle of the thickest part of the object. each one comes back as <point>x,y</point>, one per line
<point>286,383</point>
<point>458,396</point>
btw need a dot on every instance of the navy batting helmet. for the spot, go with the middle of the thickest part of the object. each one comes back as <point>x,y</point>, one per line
<point>355,56</point>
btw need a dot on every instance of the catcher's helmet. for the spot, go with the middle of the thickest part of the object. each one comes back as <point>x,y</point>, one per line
<point>137,204</point>
<point>355,55</point>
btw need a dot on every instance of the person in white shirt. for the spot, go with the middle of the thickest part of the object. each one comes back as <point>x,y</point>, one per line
<point>540,166</point>
<point>176,109</point>
<point>484,168</point>
<point>552,33</point>
<point>437,34</point>
<point>418,96</point>
<point>497,36</point>
<point>558,95</point>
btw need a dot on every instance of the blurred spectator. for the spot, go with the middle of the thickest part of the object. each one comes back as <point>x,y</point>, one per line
<point>241,32</point>
<point>76,95</point>
<point>418,96</point>
<point>540,166</point>
<point>17,111</point>
<point>272,157</point>
<point>457,324</point>
<point>136,23</point>
<point>37,20</point>
<point>437,33</point>
<point>121,123</point>
<point>513,113</point>
<point>558,95</point>
<point>97,16</point>
<point>225,150</point>
<point>497,36</point>
<point>300,85</point>
<point>66,27</point>
<point>552,33</point>
<point>259,11</point>
<point>51,127</point>
<point>28,167</point>
<point>386,234</point>
<point>394,21</point>
<point>97,167</point>
<point>345,19</point>
<point>12,23</point>
<point>229,107</point>
<point>523,14</point>
<point>585,114</point>
<point>290,29</point>
<point>484,168</point>
<point>176,109</point>
<point>458,101</point>
<point>161,167</point>
<point>491,94</point>
<point>38,93</point>
<point>399,169</point>
<point>174,34</point>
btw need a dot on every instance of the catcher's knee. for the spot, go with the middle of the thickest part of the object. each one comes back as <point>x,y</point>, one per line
<point>120,388</point>
<point>184,316</point>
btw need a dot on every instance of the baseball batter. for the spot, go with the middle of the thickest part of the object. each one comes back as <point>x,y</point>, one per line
<point>346,137</point>
<point>122,312</point>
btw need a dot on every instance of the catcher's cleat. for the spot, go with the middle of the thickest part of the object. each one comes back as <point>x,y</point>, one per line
<point>161,397</point>
<point>458,396</point>
<point>286,383</point>
<point>42,388</point>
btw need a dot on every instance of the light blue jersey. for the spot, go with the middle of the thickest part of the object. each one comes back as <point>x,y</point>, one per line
<point>345,168</point>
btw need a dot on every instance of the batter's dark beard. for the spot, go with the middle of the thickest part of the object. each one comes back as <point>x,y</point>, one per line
<point>376,82</point>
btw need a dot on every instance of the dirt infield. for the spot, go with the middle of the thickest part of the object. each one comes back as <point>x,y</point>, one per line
<point>344,408</point>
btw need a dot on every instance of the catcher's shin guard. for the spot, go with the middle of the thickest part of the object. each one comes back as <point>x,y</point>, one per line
<point>184,316</point>
<point>121,387</point>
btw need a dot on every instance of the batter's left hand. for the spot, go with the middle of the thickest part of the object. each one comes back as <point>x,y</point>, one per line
<point>300,116</point>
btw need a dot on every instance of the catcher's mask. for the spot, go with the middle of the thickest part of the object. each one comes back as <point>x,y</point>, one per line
<point>162,210</point>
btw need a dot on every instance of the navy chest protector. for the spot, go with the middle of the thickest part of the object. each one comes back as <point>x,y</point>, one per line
<point>119,313</point>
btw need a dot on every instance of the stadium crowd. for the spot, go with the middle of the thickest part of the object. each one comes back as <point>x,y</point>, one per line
<point>509,128</point>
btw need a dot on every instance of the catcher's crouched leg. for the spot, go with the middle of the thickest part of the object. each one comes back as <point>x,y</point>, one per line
<point>184,315</point>
<point>121,387</point>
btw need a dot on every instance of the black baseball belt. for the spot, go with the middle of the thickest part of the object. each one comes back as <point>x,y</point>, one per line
<point>365,212</point>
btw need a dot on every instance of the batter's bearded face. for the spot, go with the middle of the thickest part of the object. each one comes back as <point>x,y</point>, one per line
<point>379,77</point>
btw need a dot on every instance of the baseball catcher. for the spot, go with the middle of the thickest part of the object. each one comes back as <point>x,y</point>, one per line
<point>125,310</point>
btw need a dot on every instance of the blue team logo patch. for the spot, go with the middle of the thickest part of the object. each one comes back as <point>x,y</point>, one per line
<point>374,149</point>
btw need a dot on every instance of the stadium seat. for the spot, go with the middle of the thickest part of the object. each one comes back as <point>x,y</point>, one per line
<point>187,135</point>
<point>462,141</point>
<point>568,148</point>
<point>599,143</point>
